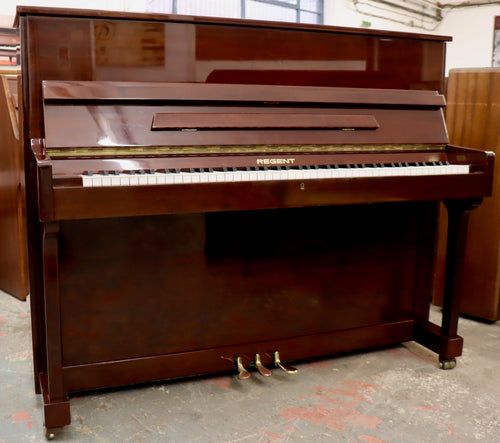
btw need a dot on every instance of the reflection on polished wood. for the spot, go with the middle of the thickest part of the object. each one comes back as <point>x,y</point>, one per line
<point>13,257</point>
<point>143,279</point>
<point>473,119</point>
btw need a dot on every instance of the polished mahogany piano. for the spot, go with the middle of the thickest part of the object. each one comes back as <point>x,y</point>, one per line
<point>209,195</point>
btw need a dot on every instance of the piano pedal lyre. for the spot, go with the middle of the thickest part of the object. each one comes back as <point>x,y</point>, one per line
<point>243,374</point>
<point>286,368</point>
<point>261,368</point>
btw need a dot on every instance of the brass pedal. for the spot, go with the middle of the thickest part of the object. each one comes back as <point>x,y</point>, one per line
<point>243,374</point>
<point>277,362</point>
<point>261,368</point>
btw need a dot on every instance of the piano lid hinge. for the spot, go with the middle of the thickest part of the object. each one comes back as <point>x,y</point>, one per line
<point>38,148</point>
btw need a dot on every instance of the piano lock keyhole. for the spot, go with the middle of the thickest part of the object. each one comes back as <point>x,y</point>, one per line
<point>302,186</point>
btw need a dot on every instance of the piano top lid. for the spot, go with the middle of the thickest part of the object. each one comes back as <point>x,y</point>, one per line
<point>175,18</point>
<point>90,118</point>
<point>101,91</point>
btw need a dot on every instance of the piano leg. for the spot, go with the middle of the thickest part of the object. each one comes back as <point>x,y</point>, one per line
<point>55,398</point>
<point>444,340</point>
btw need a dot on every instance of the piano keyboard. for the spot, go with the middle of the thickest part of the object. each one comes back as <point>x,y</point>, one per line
<point>246,174</point>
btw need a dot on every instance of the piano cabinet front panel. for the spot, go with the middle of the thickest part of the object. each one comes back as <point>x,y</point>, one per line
<point>157,285</point>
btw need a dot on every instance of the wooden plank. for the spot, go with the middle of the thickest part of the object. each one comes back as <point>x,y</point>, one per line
<point>13,257</point>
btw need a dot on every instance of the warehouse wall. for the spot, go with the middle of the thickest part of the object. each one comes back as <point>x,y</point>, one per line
<point>470,27</point>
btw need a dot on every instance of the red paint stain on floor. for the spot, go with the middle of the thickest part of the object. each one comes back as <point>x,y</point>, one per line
<point>21,416</point>
<point>426,408</point>
<point>275,437</point>
<point>223,382</point>
<point>343,412</point>
<point>450,429</point>
<point>2,334</point>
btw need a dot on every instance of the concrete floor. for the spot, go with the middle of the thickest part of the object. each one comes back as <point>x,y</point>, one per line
<point>395,394</point>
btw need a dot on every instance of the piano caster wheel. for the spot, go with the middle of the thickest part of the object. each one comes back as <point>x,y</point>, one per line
<point>447,363</point>
<point>51,433</point>
<point>286,368</point>
<point>261,368</point>
<point>243,374</point>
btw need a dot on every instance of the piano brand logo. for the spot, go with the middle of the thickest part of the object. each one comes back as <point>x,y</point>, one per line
<point>275,161</point>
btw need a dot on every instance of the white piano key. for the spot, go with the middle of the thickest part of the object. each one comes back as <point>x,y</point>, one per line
<point>96,180</point>
<point>220,176</point>
<point>124,179</point>
<point>161,178</point>
<point>87,181</point>
<point>115,180</point>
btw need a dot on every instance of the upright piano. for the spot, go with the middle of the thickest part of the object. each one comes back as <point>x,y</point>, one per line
<point>230,195</point>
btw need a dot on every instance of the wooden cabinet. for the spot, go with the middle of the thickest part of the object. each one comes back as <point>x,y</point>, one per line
<point>473,120</point>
